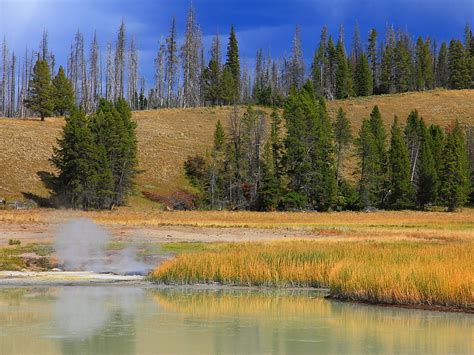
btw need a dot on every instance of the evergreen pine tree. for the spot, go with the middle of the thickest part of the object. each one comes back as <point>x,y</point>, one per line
<point>427,186</point>
<point>455,182</point>
<point>429,71</point>
<point>215,179</point>
<point>233,63</point>
<point>79,164</point>
<point>370,167</point>
<point>387,85</point>
<point>330,70</point>
<point>40,98</point>
<point>401,190</point>
<point>403,68</point>
<point>424,65</point>
<point>212,82</point>
<point>227,88</point>
<point>378,130</point>
<point>442,74</point>
<point>342,72</point>
<point>437,142</point>
<point>219,137</point>
<point>62,93</point>
<point>459,74</point>
<point>318,66</point>
<point>269,189</point>
<point>363,77</point>
<point>372,56</point>
<point>420,62</point>
<point>115,131</point>
<point>297,140</point>
<point>323,166</point>
<point>379,136</point>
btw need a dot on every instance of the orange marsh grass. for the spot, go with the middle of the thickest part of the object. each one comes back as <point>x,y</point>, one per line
<point>396,272</point>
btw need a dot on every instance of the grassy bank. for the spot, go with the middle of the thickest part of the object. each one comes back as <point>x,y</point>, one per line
<point>393,272</point>
<point>12,257</point>
<point>393,221</point>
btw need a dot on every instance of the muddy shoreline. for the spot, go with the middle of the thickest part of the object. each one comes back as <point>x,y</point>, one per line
<point>14,279</point>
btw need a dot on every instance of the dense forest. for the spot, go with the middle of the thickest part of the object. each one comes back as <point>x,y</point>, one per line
<point>186,75</point>
<point>298,164</point>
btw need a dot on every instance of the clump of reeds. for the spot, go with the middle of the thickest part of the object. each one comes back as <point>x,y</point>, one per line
<point>396,272</point>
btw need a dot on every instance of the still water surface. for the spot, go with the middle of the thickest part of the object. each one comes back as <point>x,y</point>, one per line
<point>133,320</point>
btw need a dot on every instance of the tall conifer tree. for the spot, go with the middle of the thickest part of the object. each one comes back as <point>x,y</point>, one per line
<point>40,98</point>
<point>62,93</point>
<point>233,63</point>
<point>401,190</point>
<point>455,182</point>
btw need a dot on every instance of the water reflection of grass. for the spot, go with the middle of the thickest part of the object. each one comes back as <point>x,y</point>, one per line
<point>289,304</point>
<point>387,327</point>
<point>211,303</point>
<point>395,272</point>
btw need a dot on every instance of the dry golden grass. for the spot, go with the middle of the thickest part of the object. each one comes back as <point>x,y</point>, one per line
<point>401,272</point>
<point>437,106</point>
<point>334,223</point>
<point>167,137</point>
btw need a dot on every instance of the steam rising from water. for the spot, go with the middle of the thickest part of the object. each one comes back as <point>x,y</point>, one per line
<point>81,246</point>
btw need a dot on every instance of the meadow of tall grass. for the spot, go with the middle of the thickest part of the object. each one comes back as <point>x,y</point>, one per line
<point>420,273</point>
<point>335,221</point>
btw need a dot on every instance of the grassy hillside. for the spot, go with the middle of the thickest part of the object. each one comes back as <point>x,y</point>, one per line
<point>167,137</point>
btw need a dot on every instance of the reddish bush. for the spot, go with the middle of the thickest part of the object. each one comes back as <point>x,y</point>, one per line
<point>178,200</point>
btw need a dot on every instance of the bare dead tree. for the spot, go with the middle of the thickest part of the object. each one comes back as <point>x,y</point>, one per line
<point>119,63</point>
<point>52,64</point>
<point>245,88</point>
<point>94,75</point>
<point>101,76</point>
<point>171,64</point>
<point>190,58</point>
<point>253,133</point>
<point>23,85</point>
<point>132,87</point>
<point>4,83</point>
<point>11,80</point>
<point>159,90</point>
<point>109,75</point>
<point>43,48</point>
<point>78,70</point>
<point>46,54</point>
<point>275,79</point>
<point>297,68</point>
<point>216,50</point>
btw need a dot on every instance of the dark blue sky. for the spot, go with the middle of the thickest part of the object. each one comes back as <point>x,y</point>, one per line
<point>259,23</point>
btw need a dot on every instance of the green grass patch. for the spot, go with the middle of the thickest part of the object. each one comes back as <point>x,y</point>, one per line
<point>10,256</point>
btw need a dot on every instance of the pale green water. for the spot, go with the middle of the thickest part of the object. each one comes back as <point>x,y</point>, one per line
<point>128,320</point>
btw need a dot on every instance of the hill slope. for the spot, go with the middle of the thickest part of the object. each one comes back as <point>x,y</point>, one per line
<point>167,137</point>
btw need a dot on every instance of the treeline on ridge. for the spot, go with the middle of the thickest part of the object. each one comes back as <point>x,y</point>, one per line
<point>186,76</point>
